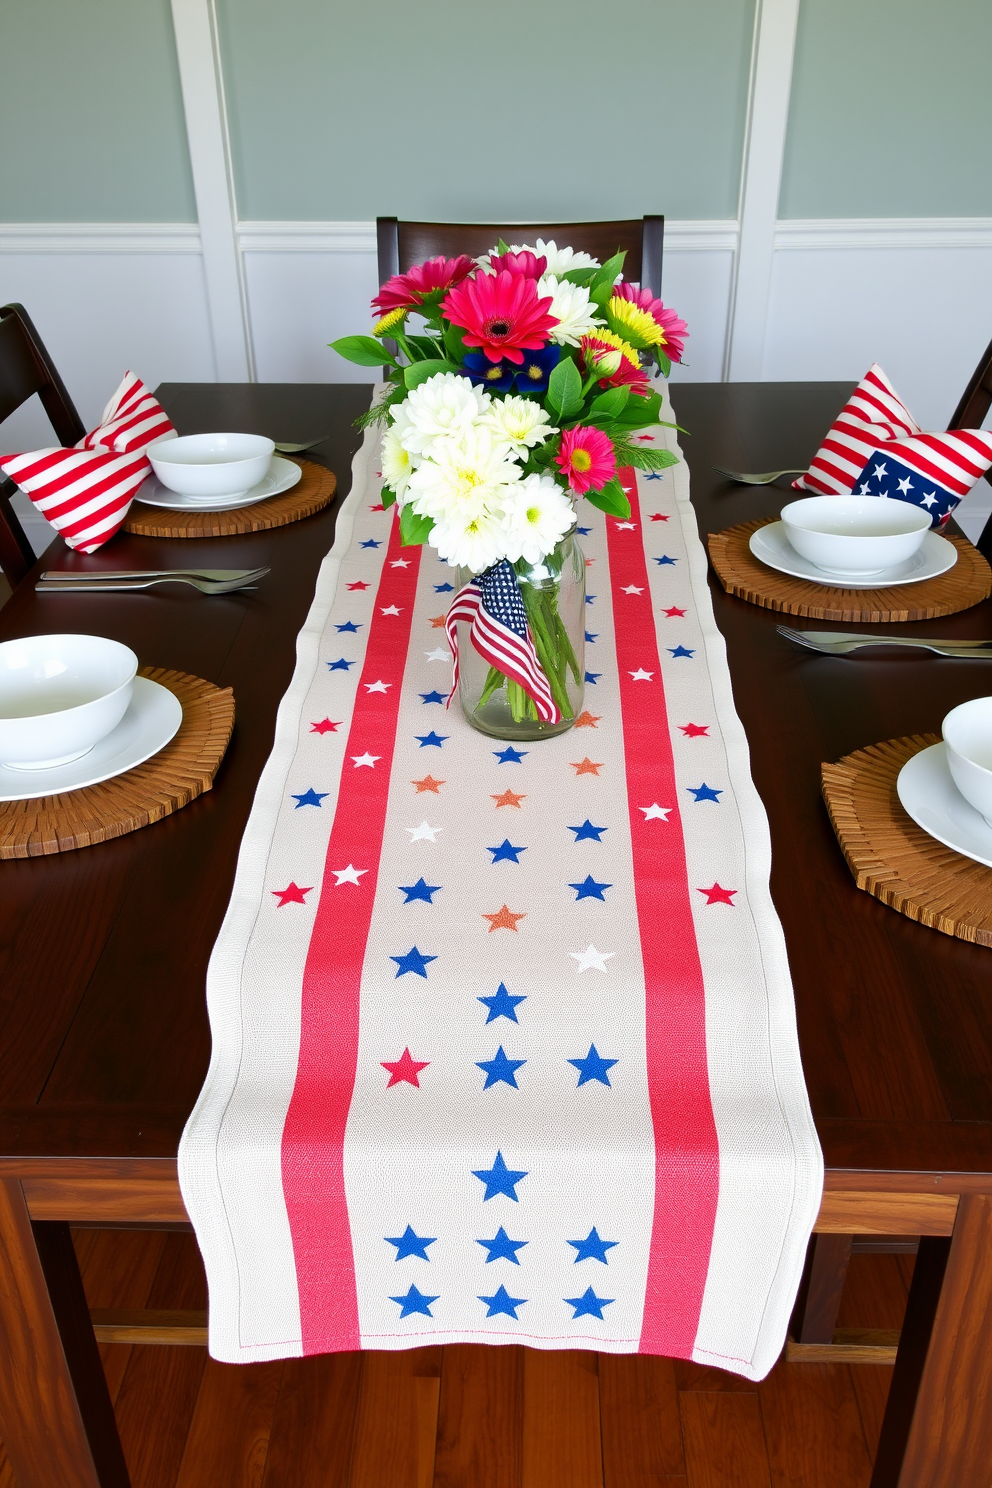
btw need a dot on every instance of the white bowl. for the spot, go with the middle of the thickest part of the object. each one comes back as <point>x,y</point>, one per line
<point>60,695</point>
<point>855,534</point>
<point>211,464</point>
<point>967,732</point>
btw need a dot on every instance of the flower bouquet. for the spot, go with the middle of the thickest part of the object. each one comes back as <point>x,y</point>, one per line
<point>520,391</point>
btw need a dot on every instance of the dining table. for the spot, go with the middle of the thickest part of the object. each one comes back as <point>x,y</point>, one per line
<point>104,1039</point>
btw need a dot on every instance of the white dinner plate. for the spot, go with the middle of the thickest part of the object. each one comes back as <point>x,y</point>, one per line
<point>282,476</point>
<point>153,717</point>
<point>931,798</point>
<point>934,556</point>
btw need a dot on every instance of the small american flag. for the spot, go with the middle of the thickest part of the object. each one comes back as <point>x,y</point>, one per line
<point>875,448</point>
<point>492,605</point>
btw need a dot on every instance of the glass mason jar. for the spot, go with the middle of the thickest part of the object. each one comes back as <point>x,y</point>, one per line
<point>554,596</point>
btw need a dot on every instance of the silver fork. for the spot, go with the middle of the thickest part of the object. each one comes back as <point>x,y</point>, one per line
<point>840,643</point>
<point>215,575</point>
<point>205,586</point>
<point>764,478</point>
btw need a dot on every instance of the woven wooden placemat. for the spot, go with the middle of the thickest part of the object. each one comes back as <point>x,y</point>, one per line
<point>179,773</point>
<point>894,859</point>
<point>310,494</point>
<point>740,573</point>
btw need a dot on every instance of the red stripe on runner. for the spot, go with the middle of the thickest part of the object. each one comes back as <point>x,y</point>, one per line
<point>313,1136</point>
<point>687,1167</point>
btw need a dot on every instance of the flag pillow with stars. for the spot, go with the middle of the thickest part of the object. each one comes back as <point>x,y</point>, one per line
<point>874,447</point>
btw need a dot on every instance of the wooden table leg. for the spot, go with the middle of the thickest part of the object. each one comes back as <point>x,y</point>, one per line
<point>56,1419</point>
<point>826,1274</point>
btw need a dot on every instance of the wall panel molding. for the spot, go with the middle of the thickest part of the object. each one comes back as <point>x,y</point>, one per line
<point>882,232</point>
<point>99,237</point>
<point>719,234</point>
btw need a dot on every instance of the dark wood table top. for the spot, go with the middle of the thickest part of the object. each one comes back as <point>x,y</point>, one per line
<point>104,1039</point>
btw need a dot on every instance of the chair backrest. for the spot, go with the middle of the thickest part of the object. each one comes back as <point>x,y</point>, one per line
<point>25,369</point>
<point>971,413</point>
<point>402,244</point>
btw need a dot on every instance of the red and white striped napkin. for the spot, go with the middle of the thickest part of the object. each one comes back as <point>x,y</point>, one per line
<point>85,492</point>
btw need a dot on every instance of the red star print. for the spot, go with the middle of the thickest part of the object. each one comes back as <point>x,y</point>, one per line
<point>405,1069</point>
<point>673,611</point>
<point>380,507</point>
<point>587,720</point>
<point>292,894</point>
<point>716,895</point>
<point>325,726</point>
<point>649,437</point>
<point>655,517</point>
<point>695,730</point>
<point>359,585</point>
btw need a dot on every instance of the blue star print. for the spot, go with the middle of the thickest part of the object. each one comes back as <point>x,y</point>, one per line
<point>592,1248</point>
<point>412,1244</point>
<point>593,677</point>
<point>665,559</point>
<point>502,1004</point>
<point>500,1069</point>
<point>679,651</point>
<point>502,1248</point>
<point>506,852</point>
<point>590,598</point>
<point>349,625</point>
<point>443,588</point>
<point>705,792</point>
<point>593,1067</point>
<point>414,961</point>
<point>588,832</point>
<point>583,531</point>
<point>588,1305</point>
<point>653,475</point>
<point>433,697</point>
<point>415,1301</point>
<point>499,1179</point>
<point>340,665</point>
<point>370,543</point>
<point>432,738</point>
<point>590,637</point>
<point>502,1304</point>
<point>419,890</point>
<point>309,798</point>
<point>509,755</point>
<point>589,888</point>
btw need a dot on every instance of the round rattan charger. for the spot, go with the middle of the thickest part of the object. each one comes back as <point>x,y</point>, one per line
<point>312,493</point>
<point>179,773</point>
<point>740,573</point>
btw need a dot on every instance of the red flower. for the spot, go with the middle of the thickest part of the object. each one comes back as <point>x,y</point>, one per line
<point>525,263</point>
<point>673,329</point>
<point>629,371</point>
<point>586,458</point>
<point>501,314</point>
<point>407,291</point>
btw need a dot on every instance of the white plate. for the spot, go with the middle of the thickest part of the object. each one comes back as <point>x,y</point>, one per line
<point>935,556</point>
<point>282,476</point>
<point>152,718</point>
<point>931,798</point>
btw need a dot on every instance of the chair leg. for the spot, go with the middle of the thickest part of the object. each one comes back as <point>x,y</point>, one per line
<point>816,1317</point>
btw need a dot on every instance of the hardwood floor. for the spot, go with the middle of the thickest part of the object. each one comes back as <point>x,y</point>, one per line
<point>475,1417</point>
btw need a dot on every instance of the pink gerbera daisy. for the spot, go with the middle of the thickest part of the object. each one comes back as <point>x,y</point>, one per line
<point>525,263</point>
<point>629,372</point>
<point>501,314</point>
<point>586,458</point>
<point>407,291</point>
<point>673,329</point>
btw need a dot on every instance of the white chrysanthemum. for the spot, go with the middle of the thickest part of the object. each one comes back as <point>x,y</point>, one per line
<point>443,407</point>
<point>520,422</point>
<point>397,463</point>
<point>536,515</point>
<point>571,307</point>
<point>470,541</point>
<point>560,260</point>
<point>462,476</point>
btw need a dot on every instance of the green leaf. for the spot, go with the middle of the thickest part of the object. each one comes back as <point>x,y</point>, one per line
<point>454,341</point>
<point>579,276</point>
<point>640,412</point>
<point>611,403</point>
<point>611,499</point>
<point>419,372</point>
<point>414,529</point>
<point>565,389</point>
<point>602,286</point>
<point>424,344</point>
<point>663,362</point>
<point>645,459</point>
<point>387,496</point>
<point>501,246</point>
<point>364,350</point>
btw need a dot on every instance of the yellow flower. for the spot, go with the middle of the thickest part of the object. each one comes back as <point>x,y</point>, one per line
<point>630,321</point>
<point>389,322</point>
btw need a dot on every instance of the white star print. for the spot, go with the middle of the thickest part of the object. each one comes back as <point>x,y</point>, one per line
<point>379,686</point>
<point>389,610</point>
<point>642,676</point>
<point>654,812</point>
<point>423,833</point>
<point>590,959</point>
<point>625,526</point>
<point>400,563</point>
<point>633,589</point>
<point>930,499</point>
<point>366,759</point>
<point>349,875</point>
<point>864,489</point>
<point>880,471</point>
<point>438,654</point>
<point>905,485</point>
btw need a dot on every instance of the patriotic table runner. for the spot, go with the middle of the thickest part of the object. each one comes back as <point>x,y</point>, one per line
<point>504,1039</point>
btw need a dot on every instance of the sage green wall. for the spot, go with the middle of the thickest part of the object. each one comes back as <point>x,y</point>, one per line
<point>91,117</point>
<point>890,110</point>
<point>347,109</point>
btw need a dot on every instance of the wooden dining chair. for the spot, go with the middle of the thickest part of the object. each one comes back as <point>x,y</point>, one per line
<point>25,369</point>
<point>402,244</point>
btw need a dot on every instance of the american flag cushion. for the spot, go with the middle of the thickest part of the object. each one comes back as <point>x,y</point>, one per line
<point>85,492</point>
<point>875,447</point>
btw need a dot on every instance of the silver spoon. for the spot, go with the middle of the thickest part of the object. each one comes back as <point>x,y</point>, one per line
<point>765,478</point>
